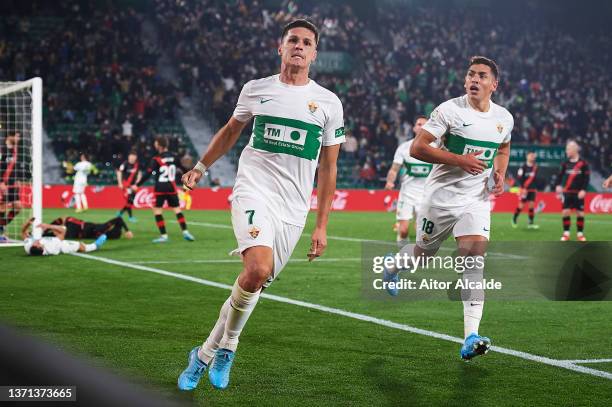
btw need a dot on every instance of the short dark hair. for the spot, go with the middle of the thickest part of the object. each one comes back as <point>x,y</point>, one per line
<point>475,60</point>
<point>301,23</point>
<point>162,141</point>
<point>36,251</point>
<point>420,116</point>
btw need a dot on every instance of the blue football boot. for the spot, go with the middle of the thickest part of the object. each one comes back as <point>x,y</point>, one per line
<point>188,380</point>
<point>474,345</point>
<point>219,371</point>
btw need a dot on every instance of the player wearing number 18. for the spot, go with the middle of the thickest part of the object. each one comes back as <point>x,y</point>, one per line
<point>473,134</point>
<point>297,124</point>
<point>163,165</point>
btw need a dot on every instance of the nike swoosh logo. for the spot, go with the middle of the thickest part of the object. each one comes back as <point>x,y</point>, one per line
<point>465,125</point>
<point>485,229</point>
<point>262,101</point>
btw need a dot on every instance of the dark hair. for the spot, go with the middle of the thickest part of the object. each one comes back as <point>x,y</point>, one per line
<point>475,60</point>
<point>36,251</point>
<point>420,116</point>
<point>162,141</point>
<point>134,152</point>
<point>301,23</point>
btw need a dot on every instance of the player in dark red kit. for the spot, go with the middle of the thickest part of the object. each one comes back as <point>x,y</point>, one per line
<point>163,165</point>
<point>573,180</point>
<point>12,171</point>
<point>527,178</point>
<point>81,229</point>
<point>128,174</point>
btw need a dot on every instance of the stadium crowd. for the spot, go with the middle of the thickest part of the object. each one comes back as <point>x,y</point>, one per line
<point>98,70</point>
<point>103,95</point>
<point>409,59</point>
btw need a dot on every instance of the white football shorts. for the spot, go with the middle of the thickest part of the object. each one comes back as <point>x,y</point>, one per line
<point>434,225</point>
<point>255,225</point>
<point>407,206</point>
<point>79,187</point>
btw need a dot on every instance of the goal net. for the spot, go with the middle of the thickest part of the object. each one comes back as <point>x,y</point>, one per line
<point>20,158</point>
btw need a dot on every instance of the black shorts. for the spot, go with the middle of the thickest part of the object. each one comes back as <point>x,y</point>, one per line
<point>171,198</point>
<point>571,201</point>
<point>129,195</point>
<point>73,230</point>
<point>531,196</point>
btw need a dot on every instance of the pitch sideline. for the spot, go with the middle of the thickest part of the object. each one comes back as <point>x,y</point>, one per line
<point>361,317</point>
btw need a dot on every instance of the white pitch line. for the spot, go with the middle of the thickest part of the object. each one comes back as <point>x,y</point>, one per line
<point>361,317</point>
<point>589,361</point>
<point>357,240</point>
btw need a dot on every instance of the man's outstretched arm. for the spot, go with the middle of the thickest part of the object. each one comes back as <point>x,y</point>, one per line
<point>220,144</point>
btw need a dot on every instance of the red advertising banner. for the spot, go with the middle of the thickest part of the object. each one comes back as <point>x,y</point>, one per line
<point>111,197</point>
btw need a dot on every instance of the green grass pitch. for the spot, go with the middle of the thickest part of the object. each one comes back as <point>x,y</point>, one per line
<point>142,324</point>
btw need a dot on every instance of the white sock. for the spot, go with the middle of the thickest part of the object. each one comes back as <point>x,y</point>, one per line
<point>242,304</point>
<point>210,346</point>
<point>472,314</point>
<point>77,200</point>
<point>90,247</point>
<point>473,301</point>
<point>84,199</point>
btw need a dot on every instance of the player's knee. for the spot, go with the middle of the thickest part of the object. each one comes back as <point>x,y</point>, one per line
<point>256,273</point>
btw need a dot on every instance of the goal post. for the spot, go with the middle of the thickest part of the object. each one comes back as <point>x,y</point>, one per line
<point>21,134</point>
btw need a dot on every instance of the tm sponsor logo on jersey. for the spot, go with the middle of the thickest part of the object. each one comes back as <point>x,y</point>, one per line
<point>285,134</point>
<point>486,153</point>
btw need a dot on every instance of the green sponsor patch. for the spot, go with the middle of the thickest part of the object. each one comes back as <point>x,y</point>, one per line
<point>287,136</point>
<point>418,170</point>
<point>339,132</point>
<point>461,145</point>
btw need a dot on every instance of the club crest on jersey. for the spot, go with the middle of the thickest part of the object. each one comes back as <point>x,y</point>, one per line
<point>312,106</point>
<point>254,232</point>
<point>500,128</point>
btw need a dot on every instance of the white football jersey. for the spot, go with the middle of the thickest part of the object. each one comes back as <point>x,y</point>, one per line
<point>414,172</point>
<point>52,246</point>
<point>291,124</point>
<point>461,129</point>
<point>82,169</point>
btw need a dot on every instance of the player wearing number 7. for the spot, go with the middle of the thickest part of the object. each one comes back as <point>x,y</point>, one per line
<point>473,134</point>
<point>163,165</point>
<point>297,123</point>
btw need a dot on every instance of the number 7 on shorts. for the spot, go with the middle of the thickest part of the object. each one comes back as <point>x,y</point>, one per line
<point>250,213</point>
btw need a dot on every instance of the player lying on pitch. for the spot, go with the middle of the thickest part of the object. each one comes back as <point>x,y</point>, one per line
<point>80,229</point>
<point>54,245</point>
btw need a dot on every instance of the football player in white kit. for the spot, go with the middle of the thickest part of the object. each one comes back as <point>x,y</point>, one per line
<point>297,123</point>
<point>82,170</point>
<point>473,134</point>
<point>414,174</point>
<point>56,244</point>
